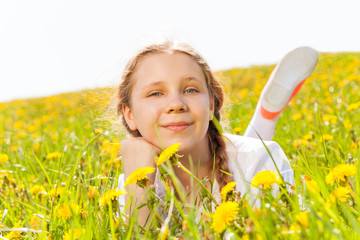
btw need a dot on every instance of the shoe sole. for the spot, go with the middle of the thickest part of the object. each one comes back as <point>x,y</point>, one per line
<point>286,80</point>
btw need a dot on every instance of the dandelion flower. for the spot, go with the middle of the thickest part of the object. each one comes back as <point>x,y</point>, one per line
<point>265,179</point>
<point>227,188</point>
<point>296,116</point>
<point>110,195</point>
<point>37,189</point>
<point>92,193</point>
<point>312,186</point>
<point>56,191</point>
<point>353,106</point>
<point>223,215</point>
<point>167,153</point>
<point>4,157</point>
<point>99,130</point>
<point>307,137</point>
<point>237,129</point>
<point>35,222</point>
<point>302,218</point>
<point>300,142</point>
<point>36,147</point>
<point>53,155</point>
<point>340,172</point>
<point>340,193</point>
<point>64,211</point>
<point>354,145</point>
<point>326,137</point>
<point>73,234</point>
<point>139,174</point>
<point>347,124</point>
<point>13,235</point>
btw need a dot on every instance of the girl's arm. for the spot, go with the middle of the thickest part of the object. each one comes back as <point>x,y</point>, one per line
<point>138,153</point>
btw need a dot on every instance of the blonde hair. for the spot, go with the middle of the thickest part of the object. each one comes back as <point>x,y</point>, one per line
<point>216,142</point>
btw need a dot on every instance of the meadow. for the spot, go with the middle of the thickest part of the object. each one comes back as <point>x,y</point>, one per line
<point>60,161</point>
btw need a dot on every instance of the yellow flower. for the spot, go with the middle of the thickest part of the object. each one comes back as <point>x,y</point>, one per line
<point>347,124</point>
<point>56,191</point>
<point>296,116</point>
<point>299,142</point>
<point>302,218</point>
<point>353,106</point>
<point>36,147</point>
<point>35,222</point>
<point>99,130</point>
<point>223,215</point>
<point>4,157</point>
<point>18,125</point>
<point>265,179</point>
<point>312,186</point>
<point>167,153</point>
<point>92,193</point>
<point>326,137</point>
<point>139,174</point>
<point>237,129</point>
<point>353,145</point>
<point>329,118</point>
<point>341,193</point>
<point>53,155</point>
<point>64,211</point>
<point>227,188</point>
<point>307,137</point>
<point>37,189</point>
<point>340,172</point>
<point>73,234</point>
<point>13,235</point>
<point>110,195</point>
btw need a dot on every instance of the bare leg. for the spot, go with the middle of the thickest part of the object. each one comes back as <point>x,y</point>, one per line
<point>284,83</point>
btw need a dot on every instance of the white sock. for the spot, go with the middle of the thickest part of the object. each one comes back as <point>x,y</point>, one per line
<point>260,127</point>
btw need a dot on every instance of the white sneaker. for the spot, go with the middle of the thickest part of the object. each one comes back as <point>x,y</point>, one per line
<point>286,80</point>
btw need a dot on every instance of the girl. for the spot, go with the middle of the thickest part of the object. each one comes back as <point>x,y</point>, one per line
<point>169,95</point>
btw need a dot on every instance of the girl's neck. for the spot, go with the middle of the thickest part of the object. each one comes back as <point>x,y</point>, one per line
<point>198,160</point>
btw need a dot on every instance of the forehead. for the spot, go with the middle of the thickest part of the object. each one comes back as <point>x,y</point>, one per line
<point>161,66</point>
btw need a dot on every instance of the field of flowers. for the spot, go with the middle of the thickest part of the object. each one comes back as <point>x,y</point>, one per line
<point>60,161</point>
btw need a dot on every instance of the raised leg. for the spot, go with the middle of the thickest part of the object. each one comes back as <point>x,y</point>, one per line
<point>284,83</point>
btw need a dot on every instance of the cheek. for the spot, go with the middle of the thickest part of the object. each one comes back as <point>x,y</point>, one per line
<point>205,108</point>
<point>145,115</point>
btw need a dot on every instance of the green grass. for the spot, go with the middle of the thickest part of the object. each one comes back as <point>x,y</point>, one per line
<point>76,126</point>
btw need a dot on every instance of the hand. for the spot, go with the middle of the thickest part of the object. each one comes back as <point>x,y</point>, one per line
<point>138,153</point>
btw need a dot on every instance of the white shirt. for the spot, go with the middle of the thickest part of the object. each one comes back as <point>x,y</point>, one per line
<point>247,156</point>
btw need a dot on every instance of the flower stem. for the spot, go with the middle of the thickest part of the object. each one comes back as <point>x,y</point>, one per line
<point>197,180</point>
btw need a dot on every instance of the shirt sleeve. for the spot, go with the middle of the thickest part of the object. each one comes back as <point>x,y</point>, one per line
<point>121,183</point>
<point>248,156</point>
<point>272,158</point>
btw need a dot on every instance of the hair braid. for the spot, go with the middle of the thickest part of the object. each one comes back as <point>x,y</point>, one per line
<point>218,147</point>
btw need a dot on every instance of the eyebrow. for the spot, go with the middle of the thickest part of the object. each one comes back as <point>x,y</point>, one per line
<point>192,78</point>
<point>159,83</point>
<point>153,84</point>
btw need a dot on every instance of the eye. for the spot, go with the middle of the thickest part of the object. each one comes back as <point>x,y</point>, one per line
<point>191,90</point>
<point>154,94</point>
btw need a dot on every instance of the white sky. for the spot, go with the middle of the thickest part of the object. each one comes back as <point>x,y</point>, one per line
<point>49,47</point>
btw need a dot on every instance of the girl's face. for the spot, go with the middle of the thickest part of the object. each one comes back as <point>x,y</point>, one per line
<point>170,101</point>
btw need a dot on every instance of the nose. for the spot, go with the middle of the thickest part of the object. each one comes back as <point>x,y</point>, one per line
<point>176,105</point>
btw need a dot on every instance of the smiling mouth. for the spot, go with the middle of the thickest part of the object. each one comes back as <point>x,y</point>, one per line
<point>177,127</point>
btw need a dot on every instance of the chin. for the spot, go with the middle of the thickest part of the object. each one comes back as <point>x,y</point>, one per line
<point>185,146</point>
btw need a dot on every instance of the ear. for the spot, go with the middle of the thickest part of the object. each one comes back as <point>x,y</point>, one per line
<point>129,117</point>
<point>212,108</point>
